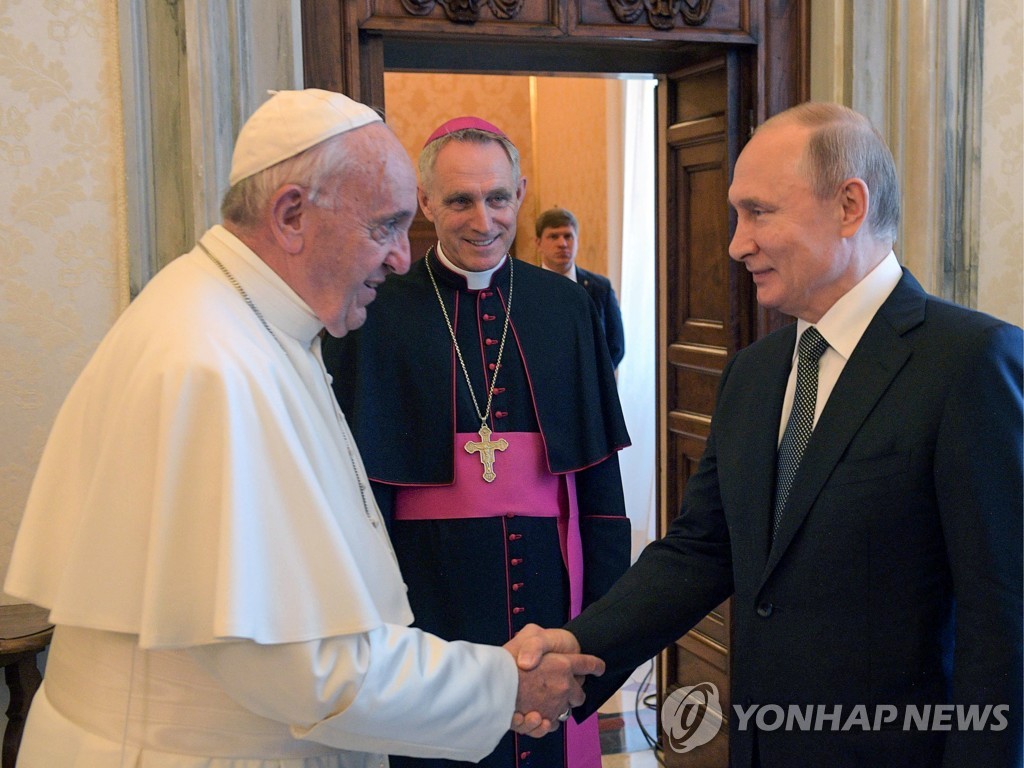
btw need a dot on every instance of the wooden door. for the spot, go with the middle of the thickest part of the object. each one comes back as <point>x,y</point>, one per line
<point>705,315</point>
<point>724,65</point>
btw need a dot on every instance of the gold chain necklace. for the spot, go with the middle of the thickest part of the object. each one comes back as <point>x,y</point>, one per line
<point>485,447</point>
<point>344,432</point>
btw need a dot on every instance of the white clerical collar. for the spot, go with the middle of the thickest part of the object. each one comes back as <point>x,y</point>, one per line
<point>847,319</point>
<point>279,304</point>
<point>475,281</point>
<point>571,274</point>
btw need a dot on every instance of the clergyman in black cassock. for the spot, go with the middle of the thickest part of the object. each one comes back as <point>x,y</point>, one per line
<point>486,566</point>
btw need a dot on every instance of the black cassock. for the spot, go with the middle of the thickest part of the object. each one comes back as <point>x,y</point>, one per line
<point>483,579</point>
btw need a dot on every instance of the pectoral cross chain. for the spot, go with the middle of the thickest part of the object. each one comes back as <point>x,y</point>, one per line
<point>486,448</point>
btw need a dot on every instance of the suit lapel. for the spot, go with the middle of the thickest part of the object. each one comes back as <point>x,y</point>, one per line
<point>878,357</point>
<point>583,278</point>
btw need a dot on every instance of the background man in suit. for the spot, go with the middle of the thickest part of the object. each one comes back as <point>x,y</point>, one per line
<point>558,241</point>
<point>892,572</point>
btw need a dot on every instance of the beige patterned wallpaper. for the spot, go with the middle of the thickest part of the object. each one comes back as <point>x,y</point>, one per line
<point>572,159</point>
<point>62,245</point>
<point>1001,262</point>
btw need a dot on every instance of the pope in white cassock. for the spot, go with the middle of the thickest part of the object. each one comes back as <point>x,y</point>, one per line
<point>200,527</point>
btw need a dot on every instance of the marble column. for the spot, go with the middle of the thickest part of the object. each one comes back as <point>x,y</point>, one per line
<point>914,67</point>
<point>192,72</point>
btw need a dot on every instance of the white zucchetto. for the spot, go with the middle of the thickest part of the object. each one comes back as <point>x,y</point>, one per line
<point>290,122</point>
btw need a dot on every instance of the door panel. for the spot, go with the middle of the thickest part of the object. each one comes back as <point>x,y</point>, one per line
<point>705,317</point>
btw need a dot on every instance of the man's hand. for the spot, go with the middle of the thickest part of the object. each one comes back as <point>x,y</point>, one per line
<point>532,642</point>
<point>551,674</point>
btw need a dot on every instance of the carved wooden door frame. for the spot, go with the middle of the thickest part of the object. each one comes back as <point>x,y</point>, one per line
<point>344,41</point>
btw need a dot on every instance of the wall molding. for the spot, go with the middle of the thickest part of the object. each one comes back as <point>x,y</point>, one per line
<point>193,73</point>
<point>914,68</point>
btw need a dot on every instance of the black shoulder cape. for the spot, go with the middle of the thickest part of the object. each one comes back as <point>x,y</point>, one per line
<point>394,376</point>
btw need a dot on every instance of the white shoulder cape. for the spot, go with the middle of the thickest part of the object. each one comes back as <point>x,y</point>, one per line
<point>196,486</point>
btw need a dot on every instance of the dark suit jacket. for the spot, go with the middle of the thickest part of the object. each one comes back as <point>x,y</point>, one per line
<point>896,574</point>
<point>603,295</point>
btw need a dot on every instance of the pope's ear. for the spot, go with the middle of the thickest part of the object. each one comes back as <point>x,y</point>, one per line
<point>289,207</point>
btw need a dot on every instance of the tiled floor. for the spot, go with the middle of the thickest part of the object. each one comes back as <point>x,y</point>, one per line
<point>630,760</point>
<point>623,744</point>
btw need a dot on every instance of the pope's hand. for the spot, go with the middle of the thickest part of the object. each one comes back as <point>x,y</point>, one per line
<point>551,674</point>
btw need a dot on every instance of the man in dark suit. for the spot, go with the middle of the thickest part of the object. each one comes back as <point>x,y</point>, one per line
<point>558,242</point>
<point>890,577</point>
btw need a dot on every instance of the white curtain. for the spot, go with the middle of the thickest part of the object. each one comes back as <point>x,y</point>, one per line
<point>637,371</point>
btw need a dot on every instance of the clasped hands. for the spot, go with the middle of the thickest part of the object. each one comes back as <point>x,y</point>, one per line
<point>551,675</point>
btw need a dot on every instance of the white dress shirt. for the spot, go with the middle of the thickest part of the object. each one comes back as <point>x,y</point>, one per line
<point>842,327</point>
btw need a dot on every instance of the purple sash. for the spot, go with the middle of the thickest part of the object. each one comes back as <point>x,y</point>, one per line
<point>522,486</point>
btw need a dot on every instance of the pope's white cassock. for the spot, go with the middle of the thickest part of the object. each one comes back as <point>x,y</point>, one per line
<point>225,595</point>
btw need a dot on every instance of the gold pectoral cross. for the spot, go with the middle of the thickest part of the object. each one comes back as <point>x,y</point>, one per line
<point>486,449</point>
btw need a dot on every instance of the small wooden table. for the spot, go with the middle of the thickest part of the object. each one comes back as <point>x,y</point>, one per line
<point>24,633</point>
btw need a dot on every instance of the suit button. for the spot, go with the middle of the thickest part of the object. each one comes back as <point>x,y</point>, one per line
<point>764,610</point>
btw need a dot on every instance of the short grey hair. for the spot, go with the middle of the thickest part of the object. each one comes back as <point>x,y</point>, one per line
<point>846,145</point>
<point>428,155</point>
<point>317,169</point>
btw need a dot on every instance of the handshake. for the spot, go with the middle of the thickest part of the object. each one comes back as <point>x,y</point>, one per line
<point>551,675</point>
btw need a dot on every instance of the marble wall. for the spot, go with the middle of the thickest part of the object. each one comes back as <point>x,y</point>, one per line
<point>1001,261</point>
<point>944,82</point>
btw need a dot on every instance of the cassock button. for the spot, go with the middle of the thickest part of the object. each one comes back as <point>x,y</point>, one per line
<point>518,609</point>
<point>515,536</point>
<point>510,514</point>
<point>523,755</point>
<point>500,414</point>
<point>491,366</point>
<point>490,342</point>
<point>489,317</point>
<point>517,586</point>
<point>764,610</point>
<point>516,561</point>
<point>499,390</point>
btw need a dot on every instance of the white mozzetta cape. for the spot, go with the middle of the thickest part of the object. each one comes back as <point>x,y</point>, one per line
<point>215,498</point>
